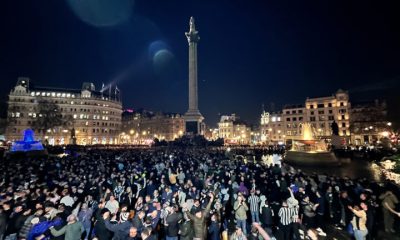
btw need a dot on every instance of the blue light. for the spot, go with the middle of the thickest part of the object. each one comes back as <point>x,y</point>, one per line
<point>27,144</point>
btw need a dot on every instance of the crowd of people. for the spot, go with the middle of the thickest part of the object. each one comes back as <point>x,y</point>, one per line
<point>183,193</point>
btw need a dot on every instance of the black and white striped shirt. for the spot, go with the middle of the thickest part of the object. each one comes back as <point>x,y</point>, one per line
<point>286,215</point>
<point>295,213</point>
<point>254,201</point>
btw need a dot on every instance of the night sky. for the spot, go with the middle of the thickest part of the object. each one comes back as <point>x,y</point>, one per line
<point>250,53</point>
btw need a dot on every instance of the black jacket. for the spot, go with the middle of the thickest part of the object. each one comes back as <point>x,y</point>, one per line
<point>186,229</point>
<point>172,228</point>
<point>137,223</point>
<point>121,230</point>
<point>100,230</point>
<point>213,231</point>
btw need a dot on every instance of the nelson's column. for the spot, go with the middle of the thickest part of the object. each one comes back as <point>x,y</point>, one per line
<point>193,117</point>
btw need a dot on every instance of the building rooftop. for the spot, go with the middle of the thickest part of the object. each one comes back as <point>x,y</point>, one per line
<point>291,106</point>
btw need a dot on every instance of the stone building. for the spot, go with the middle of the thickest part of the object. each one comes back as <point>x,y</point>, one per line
<point>94,116</point>
<point>322,111</point>
<point>233,130</point>
<point>141,127</point>
<point>285,126</point>
<point>369,122</point>
<point>272,128</point>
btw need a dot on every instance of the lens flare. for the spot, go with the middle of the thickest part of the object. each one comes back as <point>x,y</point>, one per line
<point>102,13</point>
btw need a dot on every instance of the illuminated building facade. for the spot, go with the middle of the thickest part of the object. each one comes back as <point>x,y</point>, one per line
<point>293,116</point>
<point>142,127</point>
<point>282,127</point>
<point>95,116</point>
<point>322,111</point>
<point>272,128</point>
<point>233,130</point>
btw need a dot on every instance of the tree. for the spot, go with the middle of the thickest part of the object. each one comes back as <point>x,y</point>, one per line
<point>49,116</point>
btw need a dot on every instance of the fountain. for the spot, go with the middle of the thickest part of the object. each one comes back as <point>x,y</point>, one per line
<point>310,151</point>
<point>28,145</point>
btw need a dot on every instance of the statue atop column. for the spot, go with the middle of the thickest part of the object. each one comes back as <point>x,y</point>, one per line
<point>193,117</point>
<point>193,35</point>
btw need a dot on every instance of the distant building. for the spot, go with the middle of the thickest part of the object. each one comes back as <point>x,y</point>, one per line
<point>293,116</point>
<point>272,128</point>
<point>140,127</point>
<point>95,116</point>
<point>369,122</point>
<point>285,126</point>
<point>322,111</point>
<point>233,130</point>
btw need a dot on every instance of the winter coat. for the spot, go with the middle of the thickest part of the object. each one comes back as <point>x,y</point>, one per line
<point>172,228</point>
<point>240,210</point>
<point>100,230</point>
<point>72,231</point>
<point>121,230</point>
<point>85,218</point>
<point>186,230</point>
<point>213,231</point>
<point>199,224</point>
<point>267,216</point>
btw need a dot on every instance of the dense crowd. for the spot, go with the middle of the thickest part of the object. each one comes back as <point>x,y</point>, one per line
<point>176,193</point>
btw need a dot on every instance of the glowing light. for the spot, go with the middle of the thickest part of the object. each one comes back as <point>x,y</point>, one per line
<point>102,13</point>
<point>385,134</point>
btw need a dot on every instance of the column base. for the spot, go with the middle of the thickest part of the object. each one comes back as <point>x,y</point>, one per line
<point>194,123</point>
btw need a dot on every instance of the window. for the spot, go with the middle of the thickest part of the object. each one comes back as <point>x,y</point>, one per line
<point>341,104</point>
<point>321,112</point>
<point>294,119</point>
<point>287,112</point>
<point>300,118</point>
<point>329,104</point>
<point>287,119</point>
<point>320,105</point>
<point>300,111</point>
<point>288,125</point>
<point>312,112</point>
<point>330,118</point>
<point>344,125</point>
<point>312,106</point>
<point>321,118</point>
<point>330,111</point>
<point>294,112</point>
<point>312,119</point>
<point>342,110</point>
